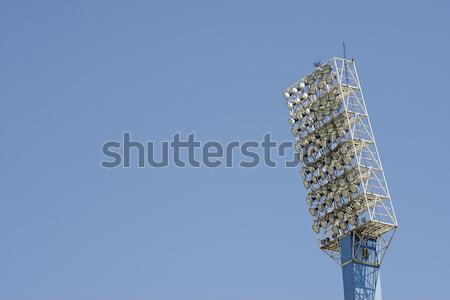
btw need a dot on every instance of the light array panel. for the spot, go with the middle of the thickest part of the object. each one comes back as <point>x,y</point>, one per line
<point>341,168</point>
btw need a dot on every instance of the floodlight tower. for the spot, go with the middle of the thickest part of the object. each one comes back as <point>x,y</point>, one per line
<point>347,193</point>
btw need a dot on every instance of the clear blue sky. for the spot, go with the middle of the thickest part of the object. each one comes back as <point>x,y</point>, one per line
<point>74,74</point>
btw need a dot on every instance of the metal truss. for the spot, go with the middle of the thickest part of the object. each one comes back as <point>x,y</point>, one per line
<point>376,219</point>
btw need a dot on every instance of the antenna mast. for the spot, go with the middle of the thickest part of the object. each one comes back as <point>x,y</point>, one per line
<point>345,63</point>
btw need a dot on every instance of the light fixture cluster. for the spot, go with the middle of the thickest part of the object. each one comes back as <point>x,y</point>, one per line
<point>321,126</point>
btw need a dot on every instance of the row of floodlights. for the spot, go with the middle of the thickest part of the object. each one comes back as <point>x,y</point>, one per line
<point>321,125</point>
<point>316,81</point>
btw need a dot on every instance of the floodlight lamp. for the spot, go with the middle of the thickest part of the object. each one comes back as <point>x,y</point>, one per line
<point>356,206</point>
<point>331,97</point>
<point>309,79</point>
<point>335,156</point>
<point>331,218</point>
<point>320,115</point>
<point>323,101</point>
<point>304,143</point>
<point>337,198</point>
<point>298,114</point>
<point>322,173</point>
<point>323,193</point>
<point>326,69</point>
<point>316,228</point>
<point>330,170</point>
<point>343,150</point>
<point>318,74</point>
<point>334,188</point>
<point>321,85</point>
<point>348,210</point>
<point>343,226</point>
<point>335,229</point>
<point>347,160</point>
<point>320,207</point>
<point>345,193</point>
<point>335,106</point>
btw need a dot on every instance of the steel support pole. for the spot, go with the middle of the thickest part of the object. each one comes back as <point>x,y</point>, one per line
<point>360,268</point>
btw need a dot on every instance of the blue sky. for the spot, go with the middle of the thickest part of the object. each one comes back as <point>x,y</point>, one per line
<point>76,74</point>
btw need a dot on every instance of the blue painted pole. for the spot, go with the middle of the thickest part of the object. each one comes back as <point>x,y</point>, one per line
<point>360,268</point>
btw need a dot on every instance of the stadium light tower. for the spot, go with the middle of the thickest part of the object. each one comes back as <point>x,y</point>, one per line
<point>347,193</point>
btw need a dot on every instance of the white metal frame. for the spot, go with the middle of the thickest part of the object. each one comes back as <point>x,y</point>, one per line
<point>378,220</point>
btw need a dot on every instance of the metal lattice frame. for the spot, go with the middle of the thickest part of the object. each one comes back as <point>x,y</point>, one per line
<point>378,219</point>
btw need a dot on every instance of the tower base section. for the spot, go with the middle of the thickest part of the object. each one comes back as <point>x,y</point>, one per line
<point>360,268</point>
